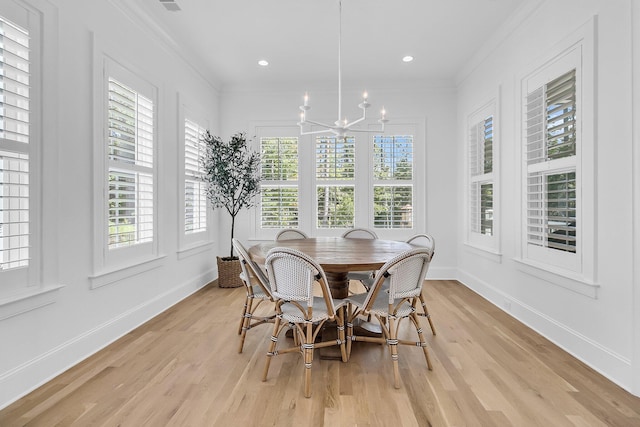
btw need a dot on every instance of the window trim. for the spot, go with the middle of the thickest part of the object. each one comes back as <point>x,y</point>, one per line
<point>109,264</point>
<point>484,242</point>
<point>575,51</point>
<point>28,278</point>
<point>197,242</point>
<point>43,284</point>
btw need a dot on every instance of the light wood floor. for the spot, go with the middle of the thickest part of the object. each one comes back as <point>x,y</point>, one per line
<point>182,369</point>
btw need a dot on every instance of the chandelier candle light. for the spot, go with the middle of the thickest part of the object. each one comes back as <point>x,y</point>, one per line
<point>342,125</point>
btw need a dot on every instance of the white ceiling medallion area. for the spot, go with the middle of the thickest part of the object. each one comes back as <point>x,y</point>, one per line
<point>170,5</point>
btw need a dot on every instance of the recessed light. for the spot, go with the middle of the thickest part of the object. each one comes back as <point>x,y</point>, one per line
<point>263,63</point>
<point>407,58</point>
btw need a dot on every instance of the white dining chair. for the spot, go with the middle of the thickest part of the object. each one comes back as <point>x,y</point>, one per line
<point>292,275</point>
<point>402,277</point>
<point>363,277</point>
<point>290,234</point>
<point>426,241</point>
<point>257,291</point>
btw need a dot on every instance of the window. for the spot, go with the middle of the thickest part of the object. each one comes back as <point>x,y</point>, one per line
<point>393,179</point>
<point>558,225</point>
<point>323,184</point>
<point>335,182</point>
<point>125,172</point>
<point>18,148</point>
<point>195,195</point>
<point>279,187</point>
<point>551,164</point>
<point>481,178</point>
<point>130,152</point>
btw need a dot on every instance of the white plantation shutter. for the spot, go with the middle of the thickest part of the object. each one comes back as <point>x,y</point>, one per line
<point>481,177</point>
<point>131,176</point>
<point>393,181</point>
<point>195,196</point>
<point>335,206</point>
<point>279,187</point>
<point>550,129</point>
<point>335,174</point>
<point>15,105</point>
<point>486,208</point>
<point>335,158</point>
<point>279,206</point>
<point>393,206</point>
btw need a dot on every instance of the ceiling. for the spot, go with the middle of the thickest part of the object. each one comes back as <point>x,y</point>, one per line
<point>299,38</point>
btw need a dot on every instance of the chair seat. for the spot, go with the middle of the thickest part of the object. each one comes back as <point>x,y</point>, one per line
<point>381,304</point>
<point>257,291</point>
<point>363,276</point>
<point>292,314</point>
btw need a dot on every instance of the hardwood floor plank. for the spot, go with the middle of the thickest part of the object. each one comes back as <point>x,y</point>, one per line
<point>182,369</point>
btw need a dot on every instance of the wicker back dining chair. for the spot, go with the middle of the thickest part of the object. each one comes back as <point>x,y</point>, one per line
<point>363,277</point>
<point>292,275</point>
<point>290,234</point>
<point>404,275</point>
<point>257,288</point>
<point>359,233</point>
<point>426,241</point>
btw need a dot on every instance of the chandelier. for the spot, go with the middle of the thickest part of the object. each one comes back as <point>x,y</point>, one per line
<point>342,125</point>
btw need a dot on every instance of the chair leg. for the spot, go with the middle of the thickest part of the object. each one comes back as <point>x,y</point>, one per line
<point>308,359</point>
<point>392,341</point>
<point>246,322</point>
<point>349,321</point>
<point>427,315</point>
<point>340,316</point>
<point>272,348</point>
<point>244,312</point>
<point>422,343</point>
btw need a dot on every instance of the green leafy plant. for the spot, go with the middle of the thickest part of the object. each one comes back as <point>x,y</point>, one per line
<point>232,174</point>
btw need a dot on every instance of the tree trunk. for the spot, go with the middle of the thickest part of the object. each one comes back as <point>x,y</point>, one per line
<point>233,226</point>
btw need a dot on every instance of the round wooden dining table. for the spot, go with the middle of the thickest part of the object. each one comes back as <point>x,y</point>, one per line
<point>337,256</point>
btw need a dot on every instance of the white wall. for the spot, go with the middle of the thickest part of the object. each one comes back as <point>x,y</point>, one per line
<point>434,107</point>
<point>597,329</point>
<point>39,344</point>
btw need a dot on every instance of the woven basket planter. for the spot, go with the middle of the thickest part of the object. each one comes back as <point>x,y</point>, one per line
<point>229,273</point>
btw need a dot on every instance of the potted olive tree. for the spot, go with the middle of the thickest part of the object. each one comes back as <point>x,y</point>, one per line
<point>232,173</point>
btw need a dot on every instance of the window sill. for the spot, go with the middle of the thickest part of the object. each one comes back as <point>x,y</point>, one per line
<point>28,301</point>
<point>111,276</point>
<point>484,252</point>
<point>565,279</point>
<point>194,249</point>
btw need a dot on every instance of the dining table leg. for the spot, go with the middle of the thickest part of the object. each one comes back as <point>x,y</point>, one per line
<point>338,284</point>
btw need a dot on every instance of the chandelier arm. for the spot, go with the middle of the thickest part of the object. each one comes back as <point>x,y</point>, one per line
<point>367,130</point>
<point>316,123</point>
<point>315,132</point>
<point>355,122</point>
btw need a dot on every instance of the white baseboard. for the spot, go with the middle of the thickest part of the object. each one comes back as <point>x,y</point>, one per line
<point>30,375</point>
<point>442,273</point>
<point>605,361</point>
